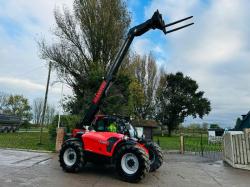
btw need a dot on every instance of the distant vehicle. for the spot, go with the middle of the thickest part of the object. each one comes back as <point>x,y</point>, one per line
<point>9,123</point>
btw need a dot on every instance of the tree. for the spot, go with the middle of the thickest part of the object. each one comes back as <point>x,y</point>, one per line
<point>177,98</point>
<point>194,126</point>
<point>26,125</point>
<point>238,123</point>
<point>136,98</point>
<point>205,126</point>
<point>87,41</point>
<point>18,105</point>
<point>214,126</point>
<point>38,110</point>
<point>49,114</point>
<point>142,88</point>
<point>3,101</point>
<point>67,121</point>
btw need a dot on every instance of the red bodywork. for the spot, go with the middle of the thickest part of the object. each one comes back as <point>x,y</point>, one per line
<point>99,93</point>
<point>97,142</point>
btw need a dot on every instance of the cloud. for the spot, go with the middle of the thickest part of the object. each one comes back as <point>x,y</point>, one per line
<point>22,23</point>
<point>33,90</point>
<point>25,84</point>
<point>26,11</point>
<point>141,46</point>
<point>172,8</point>
<point>215,51</point>
<point>144,45</point>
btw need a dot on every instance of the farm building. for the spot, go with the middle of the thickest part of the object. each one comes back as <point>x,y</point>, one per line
<point>145,127</point>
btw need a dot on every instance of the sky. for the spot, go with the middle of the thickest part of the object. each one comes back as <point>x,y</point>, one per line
<point>215,51</point>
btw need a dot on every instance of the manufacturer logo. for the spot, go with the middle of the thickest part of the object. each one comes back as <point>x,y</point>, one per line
<point>103,142</point>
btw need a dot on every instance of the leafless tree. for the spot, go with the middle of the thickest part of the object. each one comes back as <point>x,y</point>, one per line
<point>37,110</point>
<point>145,72</point>
<point>50,114</point>
<point>3,101</point>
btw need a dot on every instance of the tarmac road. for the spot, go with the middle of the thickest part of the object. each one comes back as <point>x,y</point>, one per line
<point>19,168</point>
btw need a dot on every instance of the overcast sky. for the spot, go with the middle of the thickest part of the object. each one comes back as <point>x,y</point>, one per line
<point>215,51</point>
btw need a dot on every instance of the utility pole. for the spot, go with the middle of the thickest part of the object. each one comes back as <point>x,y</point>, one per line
<point>45,103</point>
<point>61,103</point>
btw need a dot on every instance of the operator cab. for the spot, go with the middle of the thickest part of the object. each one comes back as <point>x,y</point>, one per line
<point>114,124</point>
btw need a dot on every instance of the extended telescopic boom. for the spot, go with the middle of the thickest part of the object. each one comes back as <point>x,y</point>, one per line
<point>156,22</point>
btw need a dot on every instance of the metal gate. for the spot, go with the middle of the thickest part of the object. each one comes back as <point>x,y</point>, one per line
<point>197,142</point>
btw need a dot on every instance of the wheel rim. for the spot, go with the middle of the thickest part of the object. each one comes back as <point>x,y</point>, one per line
<point>129,163</point>
<point>69,157</point>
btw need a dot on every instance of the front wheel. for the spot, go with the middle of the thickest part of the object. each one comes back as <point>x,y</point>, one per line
<point>71,156</point>
<point>132,163</point>
<point>155,155</point>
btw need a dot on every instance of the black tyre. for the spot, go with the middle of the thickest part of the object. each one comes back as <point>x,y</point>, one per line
<point>155,155</point>
<point>132,163</point>
<point>71,156</point>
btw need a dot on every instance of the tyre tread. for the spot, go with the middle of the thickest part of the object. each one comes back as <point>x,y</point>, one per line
<point>79,151</point>
<point>143,159</point>
<point>158,153</point>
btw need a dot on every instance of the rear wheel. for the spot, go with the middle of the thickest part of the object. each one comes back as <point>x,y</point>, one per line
<point>155,155</point>
<point>71,156</point>
<point>132,163</point>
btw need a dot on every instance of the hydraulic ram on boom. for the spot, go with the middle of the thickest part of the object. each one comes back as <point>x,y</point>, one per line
<point>156,22</point>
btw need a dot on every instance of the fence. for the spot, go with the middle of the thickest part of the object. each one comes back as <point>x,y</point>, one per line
<point>191,141</point>
<point>237,150</point>
<point>198,143</point>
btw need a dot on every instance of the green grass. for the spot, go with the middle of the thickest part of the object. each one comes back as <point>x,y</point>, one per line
<point>191,143</point>
<point>26,140</point>
<point>33,129</point>
<point>194,144</point>
<point>168,143</point>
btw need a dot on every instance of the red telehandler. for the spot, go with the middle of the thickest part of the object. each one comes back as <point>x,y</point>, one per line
<point>131,155</point>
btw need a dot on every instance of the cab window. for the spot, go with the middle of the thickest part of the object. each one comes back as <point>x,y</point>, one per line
<point>100,126</point>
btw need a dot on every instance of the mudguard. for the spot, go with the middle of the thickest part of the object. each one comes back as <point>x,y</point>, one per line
<point>73,139</point>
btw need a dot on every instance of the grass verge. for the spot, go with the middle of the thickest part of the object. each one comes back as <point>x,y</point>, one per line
<point>26,140</point>
<point>191,143</point>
